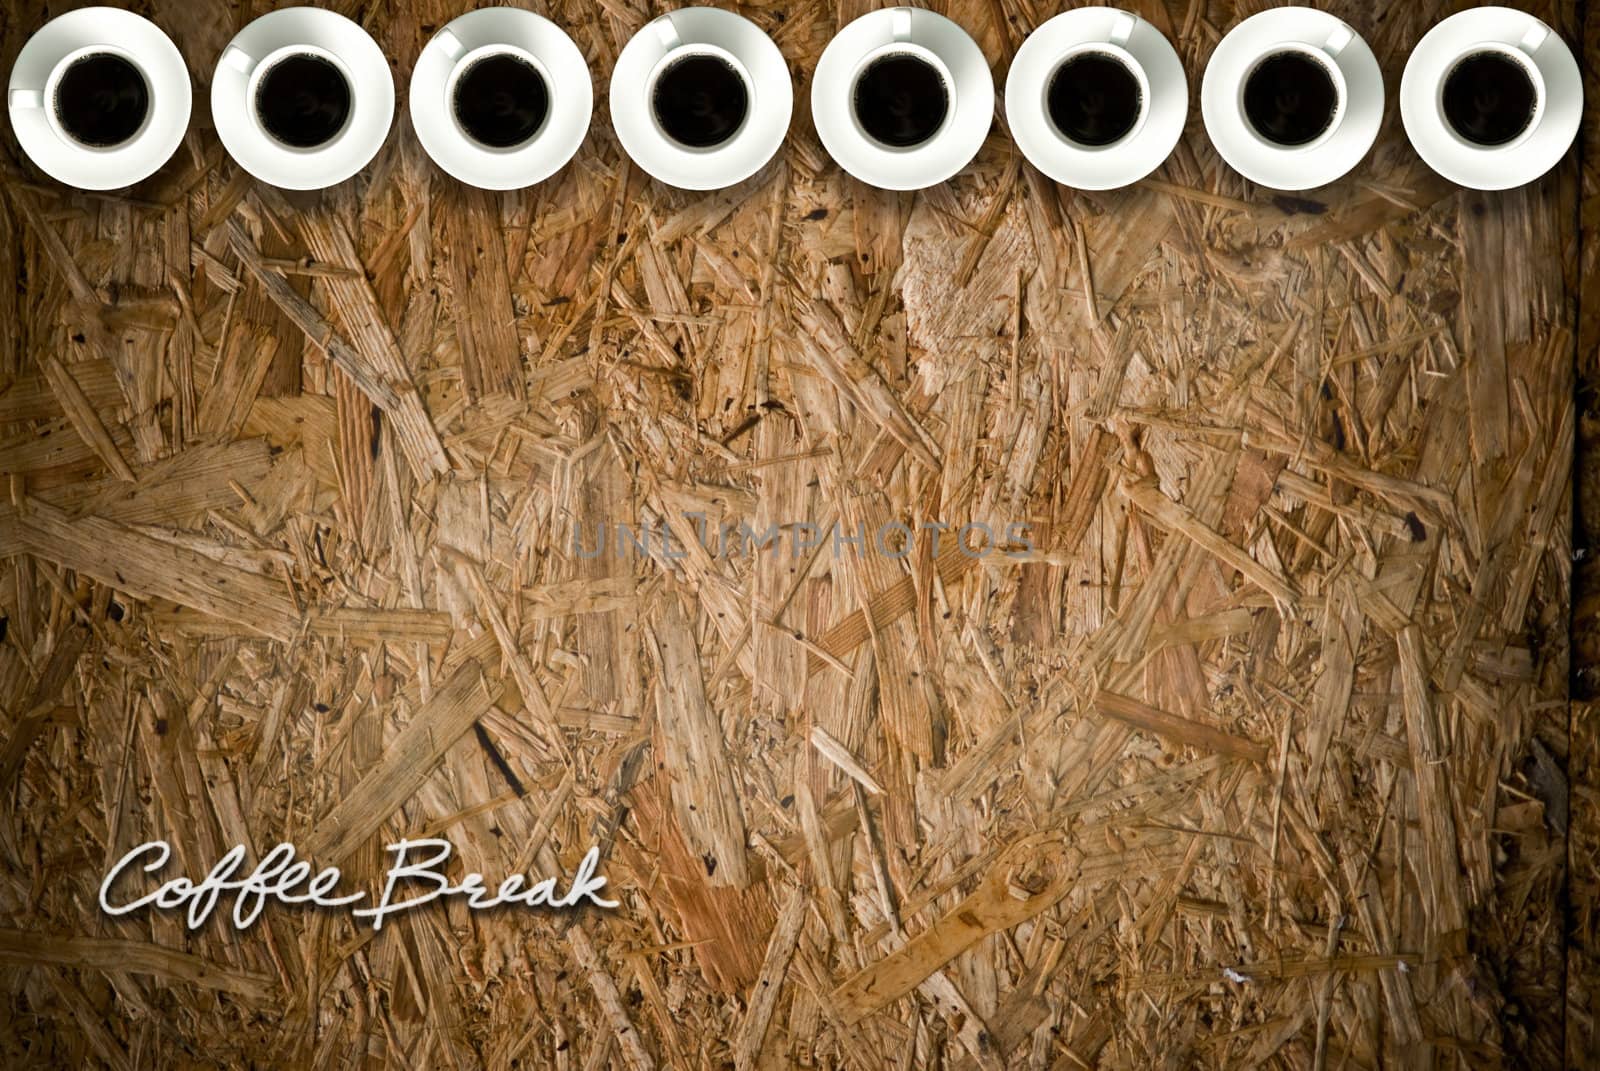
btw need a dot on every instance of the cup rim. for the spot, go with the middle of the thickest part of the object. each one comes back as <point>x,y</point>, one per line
<point>52,83</point>
<point>465,62</point>
<point>1128,61</point>
<point>268,64</point>
<point>1517,56</point>
<point>902,48</point>
<point>688,50</point>
<point>1329,64</point>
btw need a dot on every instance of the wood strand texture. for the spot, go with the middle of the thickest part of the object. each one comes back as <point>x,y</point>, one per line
<point>998,626</point>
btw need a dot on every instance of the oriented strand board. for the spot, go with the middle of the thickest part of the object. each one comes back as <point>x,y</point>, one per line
<point>998,626</point>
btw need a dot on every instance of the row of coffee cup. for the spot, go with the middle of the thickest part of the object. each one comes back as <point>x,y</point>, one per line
<point>701,98</point>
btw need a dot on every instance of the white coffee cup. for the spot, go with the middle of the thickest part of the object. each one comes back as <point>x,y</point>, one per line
<point>292,51</point>
<point>686,54</point>
<point>1142,52</point>
<point>1514,155</point>
<point>903,49</point>
<point>1321,57</point>
<point>1523,63</point>
<point>1294,35</point>
<point>940,148</point>
<point>92,136</point>
<point>501,155</point>
<point>693,52</point>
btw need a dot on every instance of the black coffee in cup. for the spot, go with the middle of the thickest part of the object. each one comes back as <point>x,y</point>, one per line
<point>304,101</point>
<point>1094,99</point>
<point>501,100</point>
<point>700,101</point>
<point>1489,98</point>
<point>1290,98</point>
<point>102,100</point>
<point>901,100</point>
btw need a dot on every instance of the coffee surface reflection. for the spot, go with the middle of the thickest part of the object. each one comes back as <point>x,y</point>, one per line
<point>901,100</point>
<point>501,101</point>
<point>1094,99</point>
<point>1488,98</point>
<point>102,100</point>
<point>304,101</point>
<point>1290,98</point>
<point>701,101</point>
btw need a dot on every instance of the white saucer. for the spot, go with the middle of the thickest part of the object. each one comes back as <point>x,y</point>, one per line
<point>84,32</point>
<point>529,37</point>
<point>1546,140</point>
<point>329,36</point>
<point>1301,167</point>
<point>935,39</point>
<point>732,38</point>
<point>1129,37</point>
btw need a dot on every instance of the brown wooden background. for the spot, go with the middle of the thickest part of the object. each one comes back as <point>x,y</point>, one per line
<point>1263,758</point>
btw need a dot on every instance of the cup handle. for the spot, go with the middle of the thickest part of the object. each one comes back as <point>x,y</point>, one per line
<point>451,44</point>
<point>238,59</point>
<point>26,98</point>
<point>1341,36</point>
<point>901,25</point>
<point>1123,28</point>
<point>668,33</point>
<point>1535,37</point>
